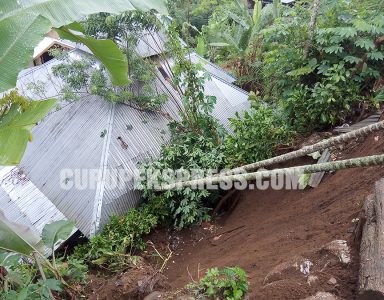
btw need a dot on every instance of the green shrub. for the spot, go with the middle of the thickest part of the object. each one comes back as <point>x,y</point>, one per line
<point>228,283</point>
<point>326,103</point>
<point>186,151</point>
<point>119,238</point>
<point>255,136</point>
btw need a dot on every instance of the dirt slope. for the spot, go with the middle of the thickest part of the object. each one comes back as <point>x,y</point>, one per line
<point>268,228</point>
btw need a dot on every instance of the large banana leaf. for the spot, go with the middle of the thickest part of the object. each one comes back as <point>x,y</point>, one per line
<point>59,230</point>
<point>18,238</point>
<point>15,129</point>
<point>115,61</point>
<point>23,23</point>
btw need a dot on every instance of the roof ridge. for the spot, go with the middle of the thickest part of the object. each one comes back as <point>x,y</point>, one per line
<point>99,195</point>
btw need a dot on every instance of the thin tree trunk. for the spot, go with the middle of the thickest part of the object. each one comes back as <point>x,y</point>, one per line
<point>312,27</point>
<point>310,149</point>
<point>323,167</point>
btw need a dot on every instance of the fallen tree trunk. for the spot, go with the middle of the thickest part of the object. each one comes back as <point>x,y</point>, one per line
<point>366,161</point>
<point>371,274</point>
<point>333,141</point>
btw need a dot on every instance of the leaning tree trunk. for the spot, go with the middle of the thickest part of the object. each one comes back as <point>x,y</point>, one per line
<point>312,27</point>
<point>371,274</point>
<point>310,149</point>
<point>323,167</point>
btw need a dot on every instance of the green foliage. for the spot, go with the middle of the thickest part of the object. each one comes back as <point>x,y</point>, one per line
<point>35,277</point>
<point>191,15</point>
<point>186,151</point>
<point>190,78</point>
<point>115,62</point>
<point>87,76</point>
<point>121,236</point>
<point>74,73</point>
<point>228,283</point>
<point>17,118</point>
<point>339,74</point>
<point>232,31</point>
<point>23,25</point>
<point>18,238</point>
<point>73,270</point>
<point>256,134</point>
<point>325,103</point>
<point>59,230</point>
<point>196,141</point>
<point>22,280</point>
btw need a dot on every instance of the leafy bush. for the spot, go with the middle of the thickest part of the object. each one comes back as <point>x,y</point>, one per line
<point>228,283</point>
<point>327,102</point>
<point>187,151</point>
<point>118,240</point>
<point>256,134</point>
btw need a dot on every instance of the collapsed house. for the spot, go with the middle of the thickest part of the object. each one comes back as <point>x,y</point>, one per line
<point>91,133</point>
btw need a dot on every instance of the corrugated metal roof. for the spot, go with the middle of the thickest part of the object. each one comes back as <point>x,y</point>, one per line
<point>70,138</point>
<point>212,69</point>
<point>23,203</point>
<point>150,43</point>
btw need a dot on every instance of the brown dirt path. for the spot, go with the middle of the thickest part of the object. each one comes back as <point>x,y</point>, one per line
<point>274,226</point>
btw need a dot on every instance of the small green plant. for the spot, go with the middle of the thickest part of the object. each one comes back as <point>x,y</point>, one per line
<point>196,141</point>
<point>228,283</point>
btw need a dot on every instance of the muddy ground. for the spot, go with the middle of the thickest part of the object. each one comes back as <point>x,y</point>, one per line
<point>271,234</point>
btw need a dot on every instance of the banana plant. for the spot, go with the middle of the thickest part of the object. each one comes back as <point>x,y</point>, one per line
<point>234,26</point>
<point>17,240</point>
<point>16,123</point>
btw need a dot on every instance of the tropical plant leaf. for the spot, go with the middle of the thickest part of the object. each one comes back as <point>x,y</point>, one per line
<point>104,50</point>
<point>64,12</point>
<point>257,13</point>
<point>52,284</point>
<point>15,128</point>
<point>376,55</point>
<point>18,39</point>
<point>346,32</point>
<point>201,48</point>
<point>352,59</point>
<point>59,230</point>
<point>9,259</point>
<point>219,44</point>
<point>365,44</point>
<point>18,238</point>
<point>334,49</point>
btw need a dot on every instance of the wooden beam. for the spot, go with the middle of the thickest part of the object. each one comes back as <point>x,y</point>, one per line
<point>368,121</point>
<point>316,178</point>
<point>371,273</point>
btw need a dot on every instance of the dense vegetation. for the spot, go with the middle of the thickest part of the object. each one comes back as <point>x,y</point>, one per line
<point>338,76</point>
<point>302,76</point>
